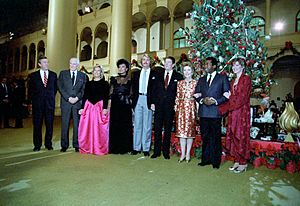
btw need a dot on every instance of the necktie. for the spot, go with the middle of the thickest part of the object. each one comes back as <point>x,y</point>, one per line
<point>73,78</point>
<point>167,80</point>
<point>45,79</point>
<point>5,87</point>
<point>209,79</point>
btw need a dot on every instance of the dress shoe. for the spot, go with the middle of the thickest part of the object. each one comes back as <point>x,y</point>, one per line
<point>181,160</point>
<point>146,154</point>
<point>76,149</point>
<point>202,164</point>
<point>188,160</point>
<point>36,149</point>
<point>63,149</point>
<point>235,166</point>
<point>216,167</point>
<point>49,148</point>
<point>134,152</point>
<point>166,156</point>
<point>155,156</point>
<point>240,169</point>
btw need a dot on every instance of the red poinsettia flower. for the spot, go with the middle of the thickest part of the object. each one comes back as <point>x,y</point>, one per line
<point>270,150</point>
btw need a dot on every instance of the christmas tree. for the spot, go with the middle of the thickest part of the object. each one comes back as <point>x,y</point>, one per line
<point>221,29</point>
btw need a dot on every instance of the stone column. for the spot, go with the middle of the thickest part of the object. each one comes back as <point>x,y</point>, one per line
<point>148,35</point>
<point>121,33</point>
<point>171,35</point>
<point>61,36</point>
<point>268,18</point>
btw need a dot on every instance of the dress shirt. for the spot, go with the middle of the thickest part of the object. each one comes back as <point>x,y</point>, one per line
<point>143,83</point>
<point>71,74</point>
<point>170,75</point>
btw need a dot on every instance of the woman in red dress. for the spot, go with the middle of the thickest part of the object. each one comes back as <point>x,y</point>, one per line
<point>238,130</point>
<point>185,112</point>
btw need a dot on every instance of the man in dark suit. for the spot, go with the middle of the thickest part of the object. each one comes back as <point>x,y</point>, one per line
<point>5,98</point>
<point>42,90</point>
<point>209,93</point>
<point>142,102</point>
<point>71,84</point>
<point>164,101</point>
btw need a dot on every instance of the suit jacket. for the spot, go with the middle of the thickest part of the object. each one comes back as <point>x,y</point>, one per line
<point>135,87</point>
<point>3,92</point>
<point>219,85</point>
<point>40,95</point>
<point>67,90</point>
<point>167,96</point>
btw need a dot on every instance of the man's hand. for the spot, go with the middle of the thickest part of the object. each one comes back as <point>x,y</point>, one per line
<point>152,107</point>
<point>73,100</point>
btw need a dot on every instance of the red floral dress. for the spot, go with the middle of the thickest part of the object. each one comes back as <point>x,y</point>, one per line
<point>238,130</point>
<point>185,109</point>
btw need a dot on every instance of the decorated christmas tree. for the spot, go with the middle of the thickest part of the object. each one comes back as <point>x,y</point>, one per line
<point>221,29</point>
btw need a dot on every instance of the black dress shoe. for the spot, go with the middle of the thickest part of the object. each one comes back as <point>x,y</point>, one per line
<point>146,154</point>
<point>36,149</point>
<point>49,148</point>
<point>166,156</point>
<point>63,149</point>
<point>216,167</point>
<point>134,152</point>
<point>76,149</point>
<point>202,164</point>
<point>155,156</point>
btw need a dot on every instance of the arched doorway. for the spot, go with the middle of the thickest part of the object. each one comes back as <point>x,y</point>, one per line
<point>101,36</point>
<point>85,44</point>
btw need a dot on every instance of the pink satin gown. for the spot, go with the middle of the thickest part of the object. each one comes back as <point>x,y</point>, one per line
<point>93,129</point>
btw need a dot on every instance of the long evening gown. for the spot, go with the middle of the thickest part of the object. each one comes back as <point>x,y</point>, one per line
<point>238,130</point>
<point>94,125</point>
<point>120,133</point>
<point>185,109</point>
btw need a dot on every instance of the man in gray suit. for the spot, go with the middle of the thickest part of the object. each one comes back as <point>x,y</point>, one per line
<point>71,84</point>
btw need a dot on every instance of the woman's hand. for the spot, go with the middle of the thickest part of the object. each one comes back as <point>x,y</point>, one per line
<point>227,94</point>
<point>104,112</point>
<point>197,95</point>
<point>80,111</point>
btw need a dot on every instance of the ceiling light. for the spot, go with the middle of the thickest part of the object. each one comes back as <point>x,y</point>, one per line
<point>279,26</point>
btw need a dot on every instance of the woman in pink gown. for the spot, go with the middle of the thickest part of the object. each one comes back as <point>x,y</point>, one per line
<point>94,121</point>
<point>238,107</point>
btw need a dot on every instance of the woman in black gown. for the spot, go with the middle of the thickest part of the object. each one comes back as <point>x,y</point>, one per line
<point>120,130</point>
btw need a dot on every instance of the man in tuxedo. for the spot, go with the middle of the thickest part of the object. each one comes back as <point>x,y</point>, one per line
<point>42,90</point>
<point>142,102</point>
<point>209,93</point>
<point>5,98</point>
<point>71,84</point>
<point>164,101</point>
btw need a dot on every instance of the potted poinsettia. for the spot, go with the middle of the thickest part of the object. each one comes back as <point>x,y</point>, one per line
<point>271,157</point>
<point>256,155</point>
<point>290,157</point>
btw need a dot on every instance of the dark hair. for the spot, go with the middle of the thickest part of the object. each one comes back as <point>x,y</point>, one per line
<point>42,57</point>
<point>123,61</point>
<point>172,58</point>
<point>213,60</point>
<point>241,61</point>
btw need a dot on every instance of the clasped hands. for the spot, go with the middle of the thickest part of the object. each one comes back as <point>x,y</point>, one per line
<point>209,101</point>
<point>73,100</point>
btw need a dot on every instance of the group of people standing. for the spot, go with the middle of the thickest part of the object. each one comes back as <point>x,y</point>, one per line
<point>102,112</point>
